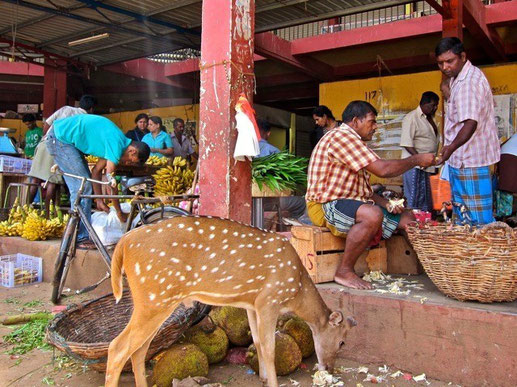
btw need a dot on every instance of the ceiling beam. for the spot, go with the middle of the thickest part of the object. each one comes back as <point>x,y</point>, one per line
<point>474,18</point>
<point>273,47</point>
<point>437,7</point>
<point>139,17</point>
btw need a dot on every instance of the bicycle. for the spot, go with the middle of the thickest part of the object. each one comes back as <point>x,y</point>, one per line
<point>67,249</point>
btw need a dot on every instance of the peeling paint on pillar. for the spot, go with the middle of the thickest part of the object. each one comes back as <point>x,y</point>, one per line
<point>227,37</point>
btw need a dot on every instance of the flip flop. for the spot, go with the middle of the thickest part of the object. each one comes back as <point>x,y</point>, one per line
<point>86,245</point>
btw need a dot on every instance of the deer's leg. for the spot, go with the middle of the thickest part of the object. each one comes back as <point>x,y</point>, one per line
<point>266,324</point>
<point>252,319</point>
<point>138,362</point>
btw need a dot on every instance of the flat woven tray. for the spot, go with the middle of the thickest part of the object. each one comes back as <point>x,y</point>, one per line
<point>469,263</point>
<point>85,331</point>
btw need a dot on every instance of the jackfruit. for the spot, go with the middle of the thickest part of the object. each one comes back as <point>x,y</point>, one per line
<point>234,322</point>
<point>298,329</point>
<point>210,339</point>
<point>179,362</point>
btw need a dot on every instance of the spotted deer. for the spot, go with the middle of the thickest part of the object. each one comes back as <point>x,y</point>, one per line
<point>217,262</point>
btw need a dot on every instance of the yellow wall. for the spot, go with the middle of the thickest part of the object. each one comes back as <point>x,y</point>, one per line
<point>399,93</point>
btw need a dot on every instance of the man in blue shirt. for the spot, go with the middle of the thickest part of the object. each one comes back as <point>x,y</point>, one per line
<point>266,148</point>
<point>87,134</point>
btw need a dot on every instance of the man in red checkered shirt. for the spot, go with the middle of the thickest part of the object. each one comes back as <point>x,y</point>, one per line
<point>339,195</point>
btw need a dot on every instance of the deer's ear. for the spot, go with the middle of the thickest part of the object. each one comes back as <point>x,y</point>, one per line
<point>350,322</point>
<point>335,318</point>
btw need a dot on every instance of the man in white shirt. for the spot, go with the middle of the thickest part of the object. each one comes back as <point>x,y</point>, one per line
<point>420,135</point>
<point>181,144</point>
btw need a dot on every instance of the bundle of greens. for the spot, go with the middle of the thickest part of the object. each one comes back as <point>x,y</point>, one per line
<point>280,171</point>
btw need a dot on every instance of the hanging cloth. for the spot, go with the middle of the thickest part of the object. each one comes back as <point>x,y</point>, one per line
<point>247,145</point>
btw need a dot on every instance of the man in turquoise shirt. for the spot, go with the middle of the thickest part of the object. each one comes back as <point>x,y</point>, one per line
<point>71,138</point>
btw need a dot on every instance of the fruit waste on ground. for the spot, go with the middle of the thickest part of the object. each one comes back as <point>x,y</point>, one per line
<point>234,322</point>
<point>287,355</point>
<point>31,224</point>
<point>210,339</point>
<point>174,179</point>
<point>178,362</point>
<point>298,329</point>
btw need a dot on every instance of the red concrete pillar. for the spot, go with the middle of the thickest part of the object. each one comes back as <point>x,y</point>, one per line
<point>226,70</point>
<point>54,89</point>
<point>452,20</point>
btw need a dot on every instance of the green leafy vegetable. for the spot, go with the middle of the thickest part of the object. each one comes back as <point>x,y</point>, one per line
<point>280,171</point>
<point>27,337</point>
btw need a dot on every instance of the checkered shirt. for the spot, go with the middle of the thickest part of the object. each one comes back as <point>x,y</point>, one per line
<point>336,168</point>
<point>471,98</point>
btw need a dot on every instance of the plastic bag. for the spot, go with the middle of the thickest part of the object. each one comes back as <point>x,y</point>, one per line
<point>108,226</point>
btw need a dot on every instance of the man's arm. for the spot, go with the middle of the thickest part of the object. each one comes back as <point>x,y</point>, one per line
<point>465,134</point>
<point>97,189</point>
<point>110,172</point>
<point>411,150</point>
<point>392,168</point>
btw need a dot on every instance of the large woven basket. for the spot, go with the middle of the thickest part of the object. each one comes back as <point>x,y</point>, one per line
<point>467,263</point>
<point>85,331</point>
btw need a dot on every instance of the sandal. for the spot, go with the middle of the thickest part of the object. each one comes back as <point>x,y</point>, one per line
<point>86,245</point>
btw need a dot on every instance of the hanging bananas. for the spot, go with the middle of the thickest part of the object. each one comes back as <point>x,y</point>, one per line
<point>173,180</point>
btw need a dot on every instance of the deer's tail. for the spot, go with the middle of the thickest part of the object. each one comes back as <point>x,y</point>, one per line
<point>116,270</point>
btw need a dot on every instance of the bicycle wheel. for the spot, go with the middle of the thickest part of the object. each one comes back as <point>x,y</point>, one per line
<point>154,215</point>
<point>63,260</point>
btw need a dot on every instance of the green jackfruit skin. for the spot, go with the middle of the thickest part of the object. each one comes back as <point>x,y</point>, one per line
<point>234,322</point>
<point>301,333</point>
<point>287,355</point>
<point>179,362</point>
<point>212,341</point>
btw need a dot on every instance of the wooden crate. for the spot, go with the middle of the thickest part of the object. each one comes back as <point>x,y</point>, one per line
<point>321,252</point>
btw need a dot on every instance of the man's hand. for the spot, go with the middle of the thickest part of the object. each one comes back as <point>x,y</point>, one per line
<point>425,159</point>
<point>101,206</point>
<point>444,154</point>
<point>395,206</point>
<point>122,216</point>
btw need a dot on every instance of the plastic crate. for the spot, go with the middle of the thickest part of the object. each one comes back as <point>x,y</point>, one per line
<point>20,269</point>
<point>15,164</point>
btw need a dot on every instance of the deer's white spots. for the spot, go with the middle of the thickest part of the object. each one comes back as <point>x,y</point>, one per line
<point>207,248</point>
<point>294,267</point>
<point>174,244</point>
<point>293,290</point>
<point>138,245</point>
<point>260,277</point>
<point>211,236</point>
<point>250,281</point>
<point>178,273</point>
<point>273,270</point>
<point>250,234</point>
<point>193,245</point>
<point>225,231</point>
<point>181,225</point>
<point>142,280</point>
<point>162,254</point>
<point>197,223</point>
<point>175,260</point>
<point>211,256</point>
<point>271,239</point>
<point>214,269</point>
<point>184,245</point>
<point>274,301</point>
<point>268,285</point>
<point>188,267</point>
<point>137,268</point>
<point>131,245</point>
<point>190,229</point>
<point>149,267</point>
<point>169,225</point>
<point>237,287</point>
<point>288,263</point>
<point>229,277</point>
<point>252,267</point>
<point>209,216</point>
<point>264,241</point>
<point>235,233</point>
<point>189,283</point>
<point>200,231</point>
<point>160,230</point>
<point>156,276</point>
<point>278,250</point>
<point>196,275</point>
<point>200,246</point>
<point>182,278</point>
<point>152,296</point>
<point>224,241</point>
<point>222,262</point>
<point>148,230</point>
<point>258,239</point>
<point>281,265</point>
<point>243,236</point>
<point>162,292</point>
<point>242,264</point>
<point>169,286</point>
<point>249,245</point>
<point>241,246</point>
<point>152,250</point>
<point>277,283</point>
<point>280,291</point>
<point>224,247</point>
<point>259,247</point>
<point>203,268</point>
<point>232,252</point>
<point>212,228</point>
<point>290,279</point>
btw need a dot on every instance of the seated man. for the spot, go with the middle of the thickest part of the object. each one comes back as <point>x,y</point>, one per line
<point>71,138</point>
<point>339,195</point>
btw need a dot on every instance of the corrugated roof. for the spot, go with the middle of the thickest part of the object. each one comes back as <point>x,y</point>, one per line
<point>50,26</point>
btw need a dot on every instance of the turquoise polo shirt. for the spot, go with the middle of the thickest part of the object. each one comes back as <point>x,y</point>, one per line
<point>92,135</point>
<point>161,141</point>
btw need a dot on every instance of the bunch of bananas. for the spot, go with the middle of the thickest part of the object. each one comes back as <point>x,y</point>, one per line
<point>92,159</point>
<point>173,180</point>
<point>157,160</point>
<point>31,224</point>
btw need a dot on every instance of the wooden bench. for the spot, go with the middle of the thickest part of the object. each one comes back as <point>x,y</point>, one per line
<point>321,252</point>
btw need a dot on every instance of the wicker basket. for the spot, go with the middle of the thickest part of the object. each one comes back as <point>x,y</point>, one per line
<point>469,264</point>
<point>85,331</point>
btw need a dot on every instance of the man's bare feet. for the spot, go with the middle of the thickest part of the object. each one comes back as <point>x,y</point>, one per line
<point>351,280</point>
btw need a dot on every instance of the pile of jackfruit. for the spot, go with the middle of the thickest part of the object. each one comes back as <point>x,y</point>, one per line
<point>210,342</point>
<point>174,179</point>
<point>31,224</point>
